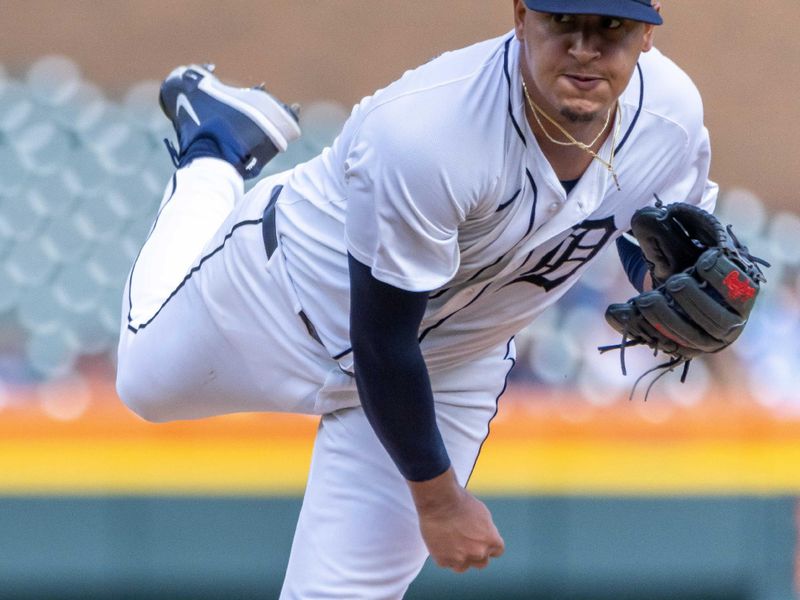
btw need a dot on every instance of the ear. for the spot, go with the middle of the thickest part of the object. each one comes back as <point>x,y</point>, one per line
<point>650,31</point>
<point>520,11</point>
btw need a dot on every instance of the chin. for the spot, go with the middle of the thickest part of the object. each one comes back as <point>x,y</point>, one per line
<point>583,108</point>
<point>580,113</point>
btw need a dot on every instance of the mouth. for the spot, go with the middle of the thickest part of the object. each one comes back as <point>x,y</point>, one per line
<point>583,82</point>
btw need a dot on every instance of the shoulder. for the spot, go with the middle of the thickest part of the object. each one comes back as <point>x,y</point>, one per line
<point>455,91</point>
<point>441,119</point>
<point>668,93</point>
<point>452,96</point>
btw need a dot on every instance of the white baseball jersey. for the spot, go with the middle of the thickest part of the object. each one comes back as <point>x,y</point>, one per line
<point>437,183</point>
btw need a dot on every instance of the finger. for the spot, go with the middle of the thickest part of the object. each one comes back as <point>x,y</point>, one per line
<point>446,562</point>
<point>482,563</point>
<point>498,547</point>
<point>712,316</point>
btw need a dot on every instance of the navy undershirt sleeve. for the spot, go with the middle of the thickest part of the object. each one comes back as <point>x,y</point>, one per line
<point>391,374</point>
<point>633,261</point>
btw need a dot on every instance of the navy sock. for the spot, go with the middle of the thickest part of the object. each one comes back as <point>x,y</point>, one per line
<point>202,147</point>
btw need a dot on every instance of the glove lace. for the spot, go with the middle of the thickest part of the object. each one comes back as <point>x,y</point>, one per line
<point>665,367</point>
<point>745,251</point>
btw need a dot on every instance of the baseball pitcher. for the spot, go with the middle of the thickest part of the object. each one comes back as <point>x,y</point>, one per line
<point>381,284</point>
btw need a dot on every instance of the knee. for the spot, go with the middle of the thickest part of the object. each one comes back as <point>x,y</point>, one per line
<point>140,395</point>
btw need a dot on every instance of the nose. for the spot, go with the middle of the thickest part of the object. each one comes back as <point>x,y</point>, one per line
<point>584,47</point>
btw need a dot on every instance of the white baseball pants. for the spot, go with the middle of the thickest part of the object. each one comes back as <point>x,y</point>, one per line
<point>210,326</point>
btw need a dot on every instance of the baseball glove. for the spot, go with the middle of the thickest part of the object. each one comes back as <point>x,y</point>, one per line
<point>705,284</point>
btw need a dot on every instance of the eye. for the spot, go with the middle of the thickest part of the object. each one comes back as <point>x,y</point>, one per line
<point>612,23</point>
<point>562,19</point>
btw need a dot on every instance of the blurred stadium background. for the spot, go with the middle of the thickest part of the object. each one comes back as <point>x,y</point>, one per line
<point>691,494</point>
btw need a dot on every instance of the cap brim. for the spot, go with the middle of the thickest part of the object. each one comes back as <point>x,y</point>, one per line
<point>631,9</point>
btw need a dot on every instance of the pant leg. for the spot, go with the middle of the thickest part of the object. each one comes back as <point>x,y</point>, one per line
<point>210,325</point>
<point>358,533</point>
<point>196,202</point>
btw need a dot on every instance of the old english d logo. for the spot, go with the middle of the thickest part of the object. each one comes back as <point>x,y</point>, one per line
<point>738,289</point>
<point>560,262</point>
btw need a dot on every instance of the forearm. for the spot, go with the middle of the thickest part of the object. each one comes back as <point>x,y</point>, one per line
<point>391,374</point>
<point>396,395</point>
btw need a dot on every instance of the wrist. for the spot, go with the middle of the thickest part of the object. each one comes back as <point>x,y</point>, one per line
<point>436,494</point>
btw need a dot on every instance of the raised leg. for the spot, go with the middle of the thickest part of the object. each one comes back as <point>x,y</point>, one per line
<point>206,328</point>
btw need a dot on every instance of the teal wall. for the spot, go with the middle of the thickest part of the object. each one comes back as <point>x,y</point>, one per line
<point>703,548</point>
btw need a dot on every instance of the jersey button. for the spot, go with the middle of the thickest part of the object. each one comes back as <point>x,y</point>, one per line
<point>555,206</point>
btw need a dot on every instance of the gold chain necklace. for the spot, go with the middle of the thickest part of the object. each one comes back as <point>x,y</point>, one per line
<point>608,164</point>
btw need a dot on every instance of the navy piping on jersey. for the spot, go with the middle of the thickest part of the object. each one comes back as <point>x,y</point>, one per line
<point>510,93</point>
<point>535,200</point>
<point>530,223</point>
<point>476,275</point>
<point>638,111</point>
<point>342,354</point>
<point>442,320</point>
<point>138,254</point>
<point>496,407</point>
<point>194,270</point>
<point>508,202</point>
<point>424,334</point>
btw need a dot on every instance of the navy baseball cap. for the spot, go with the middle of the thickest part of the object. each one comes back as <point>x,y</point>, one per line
<point>636,10</point>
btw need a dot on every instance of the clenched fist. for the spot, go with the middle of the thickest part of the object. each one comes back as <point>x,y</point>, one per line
<point>457,527</point>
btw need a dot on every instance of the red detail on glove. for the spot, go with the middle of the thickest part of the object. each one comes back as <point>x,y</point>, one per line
<point>664,331</point>
<point>738,289</point>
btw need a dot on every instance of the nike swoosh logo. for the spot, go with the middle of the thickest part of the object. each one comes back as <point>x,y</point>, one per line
<point>183,103</point>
